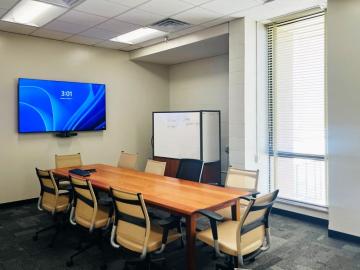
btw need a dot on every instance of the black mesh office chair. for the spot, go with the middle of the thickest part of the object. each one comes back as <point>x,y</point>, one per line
<point>190,169</point>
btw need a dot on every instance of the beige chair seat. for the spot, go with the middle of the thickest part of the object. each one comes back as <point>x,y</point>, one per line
<point>134,241</point>
<point>48,202</point>
<point>101,219</point>
<point>227,230</point>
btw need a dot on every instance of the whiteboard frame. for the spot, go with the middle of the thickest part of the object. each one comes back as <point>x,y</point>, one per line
<point>201,131</point>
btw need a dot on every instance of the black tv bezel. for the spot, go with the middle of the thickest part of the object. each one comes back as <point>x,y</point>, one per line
<point>55,131</point>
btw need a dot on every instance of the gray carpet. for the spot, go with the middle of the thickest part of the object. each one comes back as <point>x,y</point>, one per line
<point>295,245</point>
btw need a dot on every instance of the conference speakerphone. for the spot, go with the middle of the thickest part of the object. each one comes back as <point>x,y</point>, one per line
<point>82,173</point>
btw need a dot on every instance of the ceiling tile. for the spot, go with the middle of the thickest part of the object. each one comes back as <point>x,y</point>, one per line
<point>66,27</point>
<point>218,21</point>
<point>84,40</point>
<point>112,45</point>
<point>276,8</point>
<point>129,3</point>
<point>16,28</point>
<point>99,33</point>
<point>102,8</point>
<point>7,4</point>
<point>81,18</point>
<point>197,16</point>
<point>166,9</point>
<point>117,26</point>
<point>137,16</point>
<point>196,2</point>
<point>50,34</point>
<point>229,6</point>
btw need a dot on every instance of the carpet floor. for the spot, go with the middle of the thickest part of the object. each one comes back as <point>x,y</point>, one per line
<point>296,245</point>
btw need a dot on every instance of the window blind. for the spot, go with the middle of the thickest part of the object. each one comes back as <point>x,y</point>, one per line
<point>296,80</point>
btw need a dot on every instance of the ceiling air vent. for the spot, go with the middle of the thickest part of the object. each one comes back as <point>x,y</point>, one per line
<point>63,3</point>
<point>169,25</point>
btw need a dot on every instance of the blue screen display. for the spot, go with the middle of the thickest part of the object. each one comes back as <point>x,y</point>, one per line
<point>49,106</point>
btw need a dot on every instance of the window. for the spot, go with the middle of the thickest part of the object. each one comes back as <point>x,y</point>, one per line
<point>296,74</point>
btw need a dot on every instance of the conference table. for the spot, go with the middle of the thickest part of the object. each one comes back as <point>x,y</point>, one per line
<point>177,196</point>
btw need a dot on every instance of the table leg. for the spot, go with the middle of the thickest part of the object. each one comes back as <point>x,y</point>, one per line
<point>235,210</point>
<point>190,241</point>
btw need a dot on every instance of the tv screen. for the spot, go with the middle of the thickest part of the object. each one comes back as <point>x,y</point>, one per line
<point>55,106</point>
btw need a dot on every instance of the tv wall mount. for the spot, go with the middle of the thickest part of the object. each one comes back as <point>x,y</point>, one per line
<point>66,134</point>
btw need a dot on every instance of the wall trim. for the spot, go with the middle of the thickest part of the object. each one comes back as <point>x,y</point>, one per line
<point>343,236</point>
<point>18,203</point>
<point>302,217</point>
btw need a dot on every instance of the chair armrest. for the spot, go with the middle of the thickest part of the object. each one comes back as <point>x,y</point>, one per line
<point>216,184</point>
<point>211,215</point>
<point>169,222</point>
<point>214,217</point>
<point>246,198</point>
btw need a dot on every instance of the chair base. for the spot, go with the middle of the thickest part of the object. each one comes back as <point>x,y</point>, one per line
<point>95,241</point>
<point>58,226</point>
<point>147,264</point>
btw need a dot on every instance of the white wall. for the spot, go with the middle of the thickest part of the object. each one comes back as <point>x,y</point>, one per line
<point>343,43</point>
<point>133,92</point>
<point>201,85</point>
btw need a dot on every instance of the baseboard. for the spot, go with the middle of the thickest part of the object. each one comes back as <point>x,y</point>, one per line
<point>344,236</point>
<point>302,217</point>
<point>18,203</point>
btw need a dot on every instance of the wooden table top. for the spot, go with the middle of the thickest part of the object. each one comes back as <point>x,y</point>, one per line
<point>180,196</point>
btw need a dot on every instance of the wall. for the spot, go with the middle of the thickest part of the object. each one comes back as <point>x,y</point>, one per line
<point>202,84</point>
<point>343,43</point>
<point>133,92</point>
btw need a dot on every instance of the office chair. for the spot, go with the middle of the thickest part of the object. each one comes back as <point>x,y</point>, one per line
<point>190,169</point>
<point>244,239</point>
<point>51,201</point>
<point>244,179</point>
<point>155,167</point>
<point>133,230</point>
<point>127,160</point>
<point>64,161</point>
<point>89,215</point>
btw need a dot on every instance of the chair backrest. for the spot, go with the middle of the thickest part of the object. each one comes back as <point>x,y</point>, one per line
<point>254,223</point>
<point>49,191</point>
<point>127,160</point>
<point>63,161</point>
<point>155,167</point>
<point>190,169</point>
<point>242,179</point>
<point>131,228</point>
<point>85,205</point>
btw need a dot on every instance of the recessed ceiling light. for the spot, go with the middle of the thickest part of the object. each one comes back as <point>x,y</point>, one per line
<point>34,13</point>
<point>139,35</point>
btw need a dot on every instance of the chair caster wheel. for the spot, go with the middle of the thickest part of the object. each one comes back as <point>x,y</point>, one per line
<point>69,263</point>
<point>35,238</point>
<point>103,267</point>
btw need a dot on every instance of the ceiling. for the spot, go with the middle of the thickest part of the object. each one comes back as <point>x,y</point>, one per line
<point>94,22</point>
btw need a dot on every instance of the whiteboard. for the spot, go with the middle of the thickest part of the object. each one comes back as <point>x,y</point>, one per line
<point>177,134</point>
<point>211,136</point>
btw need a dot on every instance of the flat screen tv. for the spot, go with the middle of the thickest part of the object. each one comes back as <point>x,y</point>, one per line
<point>56,106</point>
